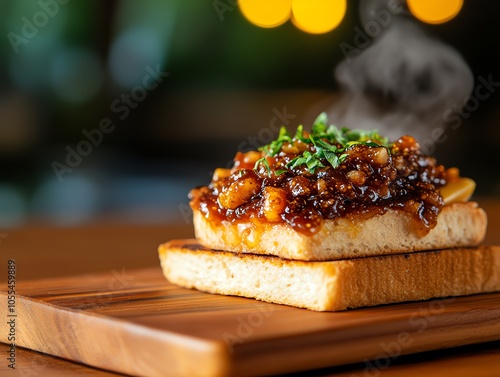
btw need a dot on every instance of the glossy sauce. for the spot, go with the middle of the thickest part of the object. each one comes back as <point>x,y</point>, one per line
<point>369,182</point>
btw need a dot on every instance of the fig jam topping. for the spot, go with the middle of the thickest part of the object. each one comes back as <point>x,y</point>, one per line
<point>328,174</point>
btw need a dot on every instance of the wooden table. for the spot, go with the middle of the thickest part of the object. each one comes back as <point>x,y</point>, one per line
<point>42,252</point>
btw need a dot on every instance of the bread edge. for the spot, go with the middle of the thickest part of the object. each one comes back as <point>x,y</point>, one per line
<point>333,285</point>
<point>458,225</point>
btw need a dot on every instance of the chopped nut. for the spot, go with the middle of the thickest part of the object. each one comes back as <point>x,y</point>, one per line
<point>251,157</point>
<point>299,186</point>
<point>221,173</point>
<point>239,192</point>
<point>379,156</point>
<point>357,177</point>
<point>321,185</point>
<point>274,203</point>
<point>290,148</point>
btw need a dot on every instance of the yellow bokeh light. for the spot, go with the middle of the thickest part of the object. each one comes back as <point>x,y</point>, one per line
<point>318,16</point>
<point>435,12</point>
<point>266,13</point>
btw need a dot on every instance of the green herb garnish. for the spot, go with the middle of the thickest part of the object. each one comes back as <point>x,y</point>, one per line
<point>274,146</point>
<point>263,161</point>
<point>329,141</point>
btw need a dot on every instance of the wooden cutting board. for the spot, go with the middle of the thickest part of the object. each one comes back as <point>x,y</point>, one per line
<point>135,322</point>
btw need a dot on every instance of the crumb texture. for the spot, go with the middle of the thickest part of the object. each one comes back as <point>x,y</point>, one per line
<point>333,285</point>
<point>458,225</point>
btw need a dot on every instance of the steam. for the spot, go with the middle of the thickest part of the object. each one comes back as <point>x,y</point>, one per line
<point>403,82</point>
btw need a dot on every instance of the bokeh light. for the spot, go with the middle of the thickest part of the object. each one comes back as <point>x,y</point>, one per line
<point>318,16</point>
<point>76,75</point>
<point>131,52</point>
<point>12,206</point>
<point>73,201</point>
<point>435,12</point>
<point>265,13</point>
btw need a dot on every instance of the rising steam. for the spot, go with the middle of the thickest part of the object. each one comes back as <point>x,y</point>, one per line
<point>403,82</point>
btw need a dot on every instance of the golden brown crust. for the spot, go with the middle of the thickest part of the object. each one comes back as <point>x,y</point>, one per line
<point>333,285</point>
<point>459,225</point>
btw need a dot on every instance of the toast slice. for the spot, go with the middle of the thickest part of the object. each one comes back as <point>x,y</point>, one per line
<point>333,285</point>
<point>458,225</point>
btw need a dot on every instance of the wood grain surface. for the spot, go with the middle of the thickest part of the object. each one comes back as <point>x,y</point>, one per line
<point>135,322</point>
<point>45,251</point>
<point>478,360</point>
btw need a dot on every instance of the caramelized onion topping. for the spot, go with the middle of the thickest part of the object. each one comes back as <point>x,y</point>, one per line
<point>369,181</point>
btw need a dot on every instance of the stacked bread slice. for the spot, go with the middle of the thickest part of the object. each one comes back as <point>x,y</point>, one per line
<point>347,264</point>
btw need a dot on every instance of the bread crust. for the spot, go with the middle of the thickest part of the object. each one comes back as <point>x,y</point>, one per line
<point>333,285</point>
<point>458,225</point>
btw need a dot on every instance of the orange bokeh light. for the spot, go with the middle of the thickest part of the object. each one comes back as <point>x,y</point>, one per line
<point>265,13</point>
<point>433,11</point>
<point>318,16</point>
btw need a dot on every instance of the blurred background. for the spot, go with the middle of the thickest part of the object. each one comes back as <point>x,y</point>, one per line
<point>113,110</point>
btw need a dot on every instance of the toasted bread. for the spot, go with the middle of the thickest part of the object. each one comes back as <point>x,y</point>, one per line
<point>333,285</point>
<point>458,225</point>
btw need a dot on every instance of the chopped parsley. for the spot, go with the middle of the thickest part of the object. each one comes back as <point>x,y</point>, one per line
<point>330,144</point>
